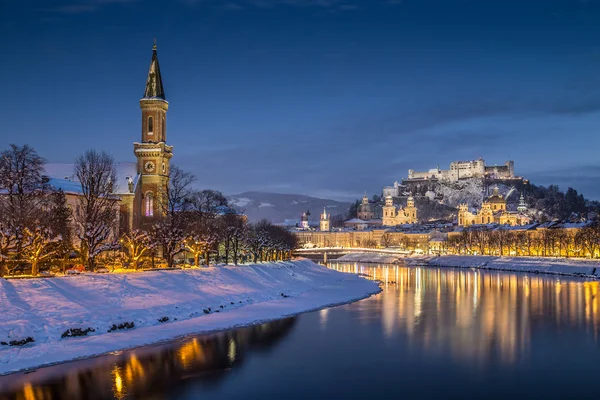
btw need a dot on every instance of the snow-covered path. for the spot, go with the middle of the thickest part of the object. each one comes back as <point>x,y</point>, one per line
<point>195,301</point>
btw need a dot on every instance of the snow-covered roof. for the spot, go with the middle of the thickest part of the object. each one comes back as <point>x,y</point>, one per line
<point>61,177</point>
<point>355,221</point>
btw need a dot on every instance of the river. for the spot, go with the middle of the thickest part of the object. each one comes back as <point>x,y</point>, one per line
<point>430,333</point>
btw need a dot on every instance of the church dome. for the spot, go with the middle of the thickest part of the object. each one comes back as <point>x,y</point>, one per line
<point>496,197</point>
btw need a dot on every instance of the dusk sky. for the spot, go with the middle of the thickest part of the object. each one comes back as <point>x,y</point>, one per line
<point>320,97</point>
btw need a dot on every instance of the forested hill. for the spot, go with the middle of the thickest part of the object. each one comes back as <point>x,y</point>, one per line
<point>544,203</point>
<point>278,207</point>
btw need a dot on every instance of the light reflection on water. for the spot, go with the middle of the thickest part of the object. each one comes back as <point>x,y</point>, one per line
<point>474,313</point>
<point>490,330</point>
<point>146,372</point>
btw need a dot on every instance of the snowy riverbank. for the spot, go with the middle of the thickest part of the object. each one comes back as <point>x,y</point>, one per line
<point>544,265</point>
<point>194,301</point>
<point>369,258</point>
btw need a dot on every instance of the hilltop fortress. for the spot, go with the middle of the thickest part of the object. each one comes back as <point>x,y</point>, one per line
<point>465,170</point>
<point>424,181</point>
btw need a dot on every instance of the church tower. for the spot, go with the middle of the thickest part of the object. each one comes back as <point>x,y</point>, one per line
<point>389,212</point>
<point>324,222</point>
<point>410,210</point>
<point>152,153</point>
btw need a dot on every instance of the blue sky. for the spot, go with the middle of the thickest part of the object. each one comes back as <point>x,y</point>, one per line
<point>319,97</point>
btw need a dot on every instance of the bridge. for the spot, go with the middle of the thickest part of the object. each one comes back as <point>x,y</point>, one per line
<point>331,253</point>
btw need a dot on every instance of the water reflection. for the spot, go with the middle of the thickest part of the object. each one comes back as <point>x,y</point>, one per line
<point>476,315</point>
<point>155,372</point>
<point>431,333</point>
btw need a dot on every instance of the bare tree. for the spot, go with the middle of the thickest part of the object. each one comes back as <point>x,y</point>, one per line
<point>96,213</point>
<point>24,188</point>
<point>175,201</point>
<point>233,227</point>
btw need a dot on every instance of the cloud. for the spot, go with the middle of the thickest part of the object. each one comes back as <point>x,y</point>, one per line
<point>584,178</point>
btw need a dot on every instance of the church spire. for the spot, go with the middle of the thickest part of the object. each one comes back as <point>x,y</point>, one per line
<point>154,85</point>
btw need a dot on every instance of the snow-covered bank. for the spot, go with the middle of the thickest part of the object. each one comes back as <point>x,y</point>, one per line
<point>375,258</point>
<point>383,258</point>
<point>560,266</point>
<point>195,301</point>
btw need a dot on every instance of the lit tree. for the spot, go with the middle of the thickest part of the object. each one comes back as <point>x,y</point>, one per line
<point>39,243</point>
<point>136,243</point>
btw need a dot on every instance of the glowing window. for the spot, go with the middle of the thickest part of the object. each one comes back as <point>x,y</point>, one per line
<point>149,204</point>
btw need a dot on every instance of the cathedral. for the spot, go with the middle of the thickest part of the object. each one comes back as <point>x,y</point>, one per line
<point>400,216</point>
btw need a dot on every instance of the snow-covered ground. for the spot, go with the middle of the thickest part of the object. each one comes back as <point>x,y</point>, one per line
<point>232,296</point>
<point>562,266</point>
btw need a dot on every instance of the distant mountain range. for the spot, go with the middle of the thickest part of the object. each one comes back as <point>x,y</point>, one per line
<point>279,207</point>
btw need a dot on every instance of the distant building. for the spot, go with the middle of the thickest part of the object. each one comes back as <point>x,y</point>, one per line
<point>324,223</point>
<point>465,170</point>
<point>493,211</point>
<point>304,224</point>
<point>366,210</point>
<point>522,207</point>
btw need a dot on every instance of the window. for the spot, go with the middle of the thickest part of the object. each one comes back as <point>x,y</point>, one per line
<point>149,204</point>
<point>164,131</point>
<point>150,125</point>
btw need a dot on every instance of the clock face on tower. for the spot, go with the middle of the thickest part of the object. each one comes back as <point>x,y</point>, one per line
<point>149,166</point>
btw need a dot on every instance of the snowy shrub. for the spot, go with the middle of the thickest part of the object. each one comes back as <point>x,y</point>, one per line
<point>72,332</point>
<point>124,325</point>
<point>163,319</point>
<point>22,342</point>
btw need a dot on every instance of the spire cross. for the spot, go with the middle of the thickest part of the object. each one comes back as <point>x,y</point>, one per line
<point>154,47</point>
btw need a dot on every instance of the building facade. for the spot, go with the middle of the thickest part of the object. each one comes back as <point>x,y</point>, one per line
<point>393,216</point>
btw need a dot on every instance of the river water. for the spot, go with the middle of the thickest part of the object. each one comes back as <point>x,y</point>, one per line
<point>443,333</point>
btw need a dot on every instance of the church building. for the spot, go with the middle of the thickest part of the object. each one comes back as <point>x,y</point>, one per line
<point>400,216</point>
<point>140,185</point>
<point>493,211</point>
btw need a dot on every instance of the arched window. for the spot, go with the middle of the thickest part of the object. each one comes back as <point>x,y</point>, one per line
<point>150,125</point>
<point>164,130</point>
<point>149,204</point>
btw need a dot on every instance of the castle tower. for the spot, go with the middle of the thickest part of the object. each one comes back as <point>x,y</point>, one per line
<point>152,153</point>
<point>324,225</point>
